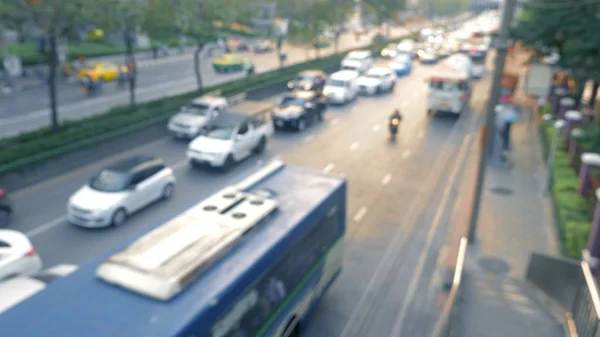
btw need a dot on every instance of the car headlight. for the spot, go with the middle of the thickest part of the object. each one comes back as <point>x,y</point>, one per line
<point>290,85</point>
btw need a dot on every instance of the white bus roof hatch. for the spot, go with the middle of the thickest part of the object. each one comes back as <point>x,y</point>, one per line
<point>161,263</point>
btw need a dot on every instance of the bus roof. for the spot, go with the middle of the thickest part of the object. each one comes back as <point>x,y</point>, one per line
<point>81,304</point>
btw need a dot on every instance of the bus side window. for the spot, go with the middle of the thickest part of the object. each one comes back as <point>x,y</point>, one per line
<point>275,286</point>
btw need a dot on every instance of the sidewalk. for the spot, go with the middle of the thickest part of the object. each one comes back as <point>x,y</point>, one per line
<point>515,220</point>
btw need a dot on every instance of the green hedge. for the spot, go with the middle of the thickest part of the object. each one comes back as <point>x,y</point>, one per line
<point>33,148</point>
<point>573,212</point>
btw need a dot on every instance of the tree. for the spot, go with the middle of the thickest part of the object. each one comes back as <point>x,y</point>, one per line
<point>384,10</point>
<point>570,31</point>
<point>11,14</point>
<point>129,17</point>
<point>336,13</point>
<point>54,19</point>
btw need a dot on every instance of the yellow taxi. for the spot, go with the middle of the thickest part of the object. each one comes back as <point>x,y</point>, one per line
<point>105,71</point>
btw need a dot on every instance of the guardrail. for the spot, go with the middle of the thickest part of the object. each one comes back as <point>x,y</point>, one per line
<point>443,326</point>
<point>572,285</point>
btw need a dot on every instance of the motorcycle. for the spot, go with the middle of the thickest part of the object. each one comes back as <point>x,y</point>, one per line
<point>394,124</point>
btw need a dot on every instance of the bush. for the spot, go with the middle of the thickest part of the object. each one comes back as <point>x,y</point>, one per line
<point>30,56</point>
<point>573,211</point>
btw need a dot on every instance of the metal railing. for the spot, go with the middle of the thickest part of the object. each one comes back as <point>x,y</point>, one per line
<point>572,285</point>
<point>443,326</point>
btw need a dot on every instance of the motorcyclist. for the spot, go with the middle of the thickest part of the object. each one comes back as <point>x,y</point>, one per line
<point>396,115</point>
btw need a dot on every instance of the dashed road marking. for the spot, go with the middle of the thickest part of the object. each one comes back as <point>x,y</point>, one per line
<point>386,179</point>
<point>335,121</point>
<point>360,214</point>
<point>376,127</point>
<point>354,146</point>
<point>308,138</point>
<point>47,226</point>
<point>329,168</point>
<point>406,154</point>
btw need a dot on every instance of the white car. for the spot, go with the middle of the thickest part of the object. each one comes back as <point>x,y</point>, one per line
<point>358,60</point>
<point>342,87</point>
<point>192,118</point>
<point>18,289</point>
<point>231,138</point>
<point>377,80</point>
<point>17,255</point>
<point>120,190</point>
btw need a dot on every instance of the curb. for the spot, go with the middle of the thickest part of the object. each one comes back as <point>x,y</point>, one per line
<point>562,317</point>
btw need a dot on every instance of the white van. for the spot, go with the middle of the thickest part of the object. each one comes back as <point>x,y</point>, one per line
<point>449,91</point>
<point>358,60</point>
<point>342,87</point>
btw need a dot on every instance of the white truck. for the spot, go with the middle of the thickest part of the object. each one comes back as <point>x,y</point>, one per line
<point>233,135</point>
<point>191,120</point>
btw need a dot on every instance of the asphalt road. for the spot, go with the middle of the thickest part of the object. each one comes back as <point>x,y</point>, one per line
<point>28,110</point>
<point>390,186</point>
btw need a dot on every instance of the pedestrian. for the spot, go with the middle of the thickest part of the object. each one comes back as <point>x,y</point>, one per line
<point>122,79</point>
<point>221,44</point>
<point>509,117</point>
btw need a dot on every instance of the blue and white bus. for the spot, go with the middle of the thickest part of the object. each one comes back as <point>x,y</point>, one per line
<point>252,260</point>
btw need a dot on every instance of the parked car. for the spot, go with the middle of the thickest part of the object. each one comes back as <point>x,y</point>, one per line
<point>18,289</point>
<point>119,190</point>
<point>377,80</point>
<point>311,80</point>
<point>17,255</point>
<point>263,46</point>
<point>6,209</point>
<point>233,136</point>
<point>232,63</point>
<point>298,109</point>
<point>236,45</point>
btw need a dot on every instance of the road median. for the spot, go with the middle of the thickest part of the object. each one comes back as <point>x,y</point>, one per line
<point>30,149</point>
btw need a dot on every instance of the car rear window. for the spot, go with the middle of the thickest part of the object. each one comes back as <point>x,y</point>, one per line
<point>4,244</point>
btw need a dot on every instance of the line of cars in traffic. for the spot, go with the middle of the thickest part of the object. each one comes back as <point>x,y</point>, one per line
<point>222,132</point>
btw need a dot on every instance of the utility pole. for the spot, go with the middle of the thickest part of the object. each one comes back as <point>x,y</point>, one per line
<point>501,45</point>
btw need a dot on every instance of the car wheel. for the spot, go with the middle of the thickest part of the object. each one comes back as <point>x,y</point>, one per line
<point>119,217</point>
<point>262,144</point>
<point>229,162</point>
<point>378,90</point>
<point>167,191</point>
<point>4,218</point>
<point>301,124</point>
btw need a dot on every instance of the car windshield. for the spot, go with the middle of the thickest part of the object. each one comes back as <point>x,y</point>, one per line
<point>445,85</point>
<point>402,59</point>
<point>110,181</point>
<point>375,75</point>
<point>223,132</point>
<point>307,78</point>
<point>287,101</point>
<point>336,83</point>
<point>354,58</point>
<point>347,67</point>
<point>198,109</point>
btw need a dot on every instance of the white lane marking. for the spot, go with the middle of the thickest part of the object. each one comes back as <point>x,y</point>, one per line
<point>360,214</point>
<point>376,127</point>
<point>437,220</point>
<point>406,154</point>
<point>354,146</point>
<point>404,104</point>
<point>308,138</point>
<point>329,168</point>
<point>335,121</point>
<point>386,179</point>
<point>47,226</point>
<point>420,134</point>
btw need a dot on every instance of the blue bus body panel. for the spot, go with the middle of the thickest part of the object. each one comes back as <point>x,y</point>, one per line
<point>82,305</point>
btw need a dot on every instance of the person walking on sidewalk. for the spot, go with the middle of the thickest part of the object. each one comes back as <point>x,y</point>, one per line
<point>509,116</point>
